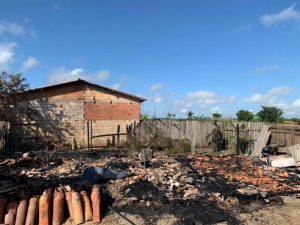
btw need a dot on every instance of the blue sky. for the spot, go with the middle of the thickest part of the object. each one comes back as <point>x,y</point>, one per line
<point>204,56</point>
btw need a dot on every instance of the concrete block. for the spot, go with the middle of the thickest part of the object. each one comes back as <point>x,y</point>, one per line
<point>290,199</point>
<point>282,161</point>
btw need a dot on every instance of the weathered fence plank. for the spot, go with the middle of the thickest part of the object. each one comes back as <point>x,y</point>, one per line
<point>198,131</point>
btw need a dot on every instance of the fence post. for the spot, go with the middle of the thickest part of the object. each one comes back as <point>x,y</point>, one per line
<point>238,138</point>
<point>293,136</point>
<point>118,135</point>
<point>88,134</point>
<point>91,141</point>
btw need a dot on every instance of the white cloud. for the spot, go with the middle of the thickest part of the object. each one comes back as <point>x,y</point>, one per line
<point>156,87</point>
<point>29,63</point>
<point>7,54</point>
<point>267,69</point>
<point>215,109</point>
<point>116,86</point>
<point>61,75</point>
<point>102,75</point>
<point>296,103</point>
<point>271,97</point>
<point>287,14</point>
<point>202,102</point>
<point>11,28</point>
<point>208,97</point>
<point>281,90</point>
<point>260,98</point>
<point>158,98</point>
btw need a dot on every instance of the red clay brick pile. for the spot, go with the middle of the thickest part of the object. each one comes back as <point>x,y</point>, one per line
<point>243,170</point>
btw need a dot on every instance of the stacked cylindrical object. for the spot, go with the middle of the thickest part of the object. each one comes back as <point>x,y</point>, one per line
<point>32,211</point>
<point>77,208</point>
<point>96,203</point>
<point>47,209</point>
<point>69,203</point>
<point>88,214</point>
<point>58,208</point>
<point>10,217</point>
<point>44,208</point>
<point>21,212</point>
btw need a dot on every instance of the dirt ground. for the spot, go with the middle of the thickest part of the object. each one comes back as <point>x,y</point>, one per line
<point>286,214</point>
<point>177,190</point>
<point>275,215</point>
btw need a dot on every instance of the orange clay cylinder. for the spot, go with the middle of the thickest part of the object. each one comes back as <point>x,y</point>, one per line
<point>12,207</point>
<point>96,204</point>
<point>69,203</point>
<point>32,211</point>
<point>21,212</point>
<point>77,208</point>
<point>10,217</point>
<point>88,214</point>
<point>49,191</point>
<point>3,203</point>
<point>44,208</point>
<point>58,208</point>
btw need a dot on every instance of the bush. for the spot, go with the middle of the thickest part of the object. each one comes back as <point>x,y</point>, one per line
<point>270,114</point>
<point>182,146</point>
<point>217,115</point>
<point>244,115</point>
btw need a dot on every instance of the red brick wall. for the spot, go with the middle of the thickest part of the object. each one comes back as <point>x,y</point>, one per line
<point>111,111</point>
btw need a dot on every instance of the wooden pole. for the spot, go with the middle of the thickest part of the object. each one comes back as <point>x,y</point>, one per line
<point>118,135</point>
<point>88,134</point>
<point>113,140</point>
<point>91,127</point>
<point>238,139</point>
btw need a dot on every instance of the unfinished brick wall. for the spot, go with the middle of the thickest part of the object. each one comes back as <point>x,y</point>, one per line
<point>108,111</point>
<point>111,111</point>
<point>65,111</point>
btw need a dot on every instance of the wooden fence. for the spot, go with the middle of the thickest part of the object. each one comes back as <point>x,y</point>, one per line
<point>198,132</point>
<point>285,135</point>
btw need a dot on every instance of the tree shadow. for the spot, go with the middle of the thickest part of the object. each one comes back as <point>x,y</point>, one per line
<point>39,124</point>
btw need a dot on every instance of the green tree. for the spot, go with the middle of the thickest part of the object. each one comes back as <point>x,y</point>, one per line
<point>11,88</point>
<point>217,115</point>
<point>171,116</point>
<point>244,115</point>
<point>190,115</point>
<point>201,117</point>
<point>144,116</point>
<point>296,120</point>
<point>270,114</point>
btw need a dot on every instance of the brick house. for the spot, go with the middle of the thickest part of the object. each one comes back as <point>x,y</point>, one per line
<point>65,108</point>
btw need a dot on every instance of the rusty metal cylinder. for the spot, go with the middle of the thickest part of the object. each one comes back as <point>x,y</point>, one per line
<point>3,203</point>
<point>77,208</point>
<point>88,214</point>
<point>69,203</point>
<point>44,209</point>
<point>21,212</point>
<point>32,211</point>
<point>96,204</point>
<point>58,208</point>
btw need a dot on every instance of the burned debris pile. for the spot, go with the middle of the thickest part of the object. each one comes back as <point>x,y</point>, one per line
<point>189,188</point>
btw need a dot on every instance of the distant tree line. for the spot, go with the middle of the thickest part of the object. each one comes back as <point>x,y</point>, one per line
<point>270,114</point>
